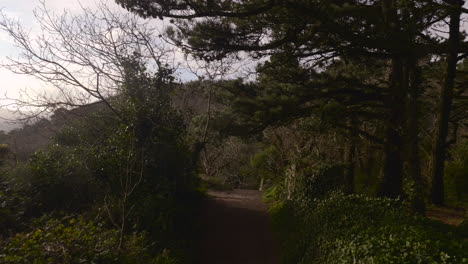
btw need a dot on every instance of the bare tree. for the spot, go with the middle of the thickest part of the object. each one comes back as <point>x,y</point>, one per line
<point>81,56</point>
<point>209,75</point>
<point>83,59</point>
<point>129,176</point>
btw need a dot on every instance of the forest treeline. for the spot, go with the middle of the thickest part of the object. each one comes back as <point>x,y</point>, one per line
<point>354,122</point>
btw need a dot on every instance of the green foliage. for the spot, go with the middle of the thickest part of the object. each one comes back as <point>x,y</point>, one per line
<point>132,167</point>
<point>55,179</point>
<point>60,180</point>
<point>4,151</point>
<point>316,182</point>
<point>360,229</point>
<point>264,160</point>
<point>456,176</point>
<point>273,193</point>
<point>264,164</point>
<point>12,206</point>
<point>367,177</point>
<point>75,240</point>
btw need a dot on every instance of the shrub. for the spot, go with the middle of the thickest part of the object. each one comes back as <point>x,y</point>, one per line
<point>12,206</point>
<point>319,181</point>
<point>137,167</point>
<point>359,229</point>
<point>456,176</point>
<point>75,240</point>
<point>54,179</point>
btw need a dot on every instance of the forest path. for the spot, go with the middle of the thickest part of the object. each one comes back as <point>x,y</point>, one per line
<point>236,229</point>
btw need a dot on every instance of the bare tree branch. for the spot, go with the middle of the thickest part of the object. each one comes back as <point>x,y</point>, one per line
<point>80,57</point>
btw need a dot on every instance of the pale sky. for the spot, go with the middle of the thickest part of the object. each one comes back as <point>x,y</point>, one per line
<point>12,84</point>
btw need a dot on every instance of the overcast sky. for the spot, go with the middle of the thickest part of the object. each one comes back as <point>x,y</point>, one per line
<point>11,84</point>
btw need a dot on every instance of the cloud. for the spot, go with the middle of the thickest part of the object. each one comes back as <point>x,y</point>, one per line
<point>12,84</point>
<point>22,10</point>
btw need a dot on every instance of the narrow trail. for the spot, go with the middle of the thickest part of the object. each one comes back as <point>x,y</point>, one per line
<point>236,229</point>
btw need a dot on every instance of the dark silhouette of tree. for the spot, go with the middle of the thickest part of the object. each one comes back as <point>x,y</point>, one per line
<point>445,104</point>
<point>316,33</point>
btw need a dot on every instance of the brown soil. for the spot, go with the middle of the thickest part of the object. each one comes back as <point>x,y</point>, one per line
<point>451,216</point>
<point>236,229</point>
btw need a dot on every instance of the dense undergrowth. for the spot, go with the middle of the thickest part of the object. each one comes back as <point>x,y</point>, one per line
<point>76,240</point>
<point>328,226</point>
<point>107,189</point>
<point>455,177</point>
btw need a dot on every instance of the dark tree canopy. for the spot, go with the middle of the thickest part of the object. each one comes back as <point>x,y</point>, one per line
<point>305,41</point>
<point>353,119</point>
<point>307,29</point>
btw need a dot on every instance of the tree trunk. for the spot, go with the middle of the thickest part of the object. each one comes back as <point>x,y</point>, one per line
<point>392,179</point>
<point>290,180</point>
<point>349,159</point>
<point>413,161</point>
<point>261,184</point>
<point>445,104</point>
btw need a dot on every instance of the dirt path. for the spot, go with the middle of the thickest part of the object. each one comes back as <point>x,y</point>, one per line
<point>450,216</point>
<point>236,229</point>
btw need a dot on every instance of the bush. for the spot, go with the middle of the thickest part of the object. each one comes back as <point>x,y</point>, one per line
<point>53,180</point>
<point>360,229</point>
<point>75,240</point>
<point>456,176</point>
<point>137,168</point>
<point>319,181</point>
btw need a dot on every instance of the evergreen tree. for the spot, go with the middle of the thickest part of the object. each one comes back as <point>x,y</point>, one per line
<point>393,31</point>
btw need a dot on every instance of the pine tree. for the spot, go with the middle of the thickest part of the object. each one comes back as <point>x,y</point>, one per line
<point>393,31</point>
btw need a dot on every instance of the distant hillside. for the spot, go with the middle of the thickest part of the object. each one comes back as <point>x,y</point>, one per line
<point>25,139</point>
<point>28,138</point>
<point>5,120</point>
